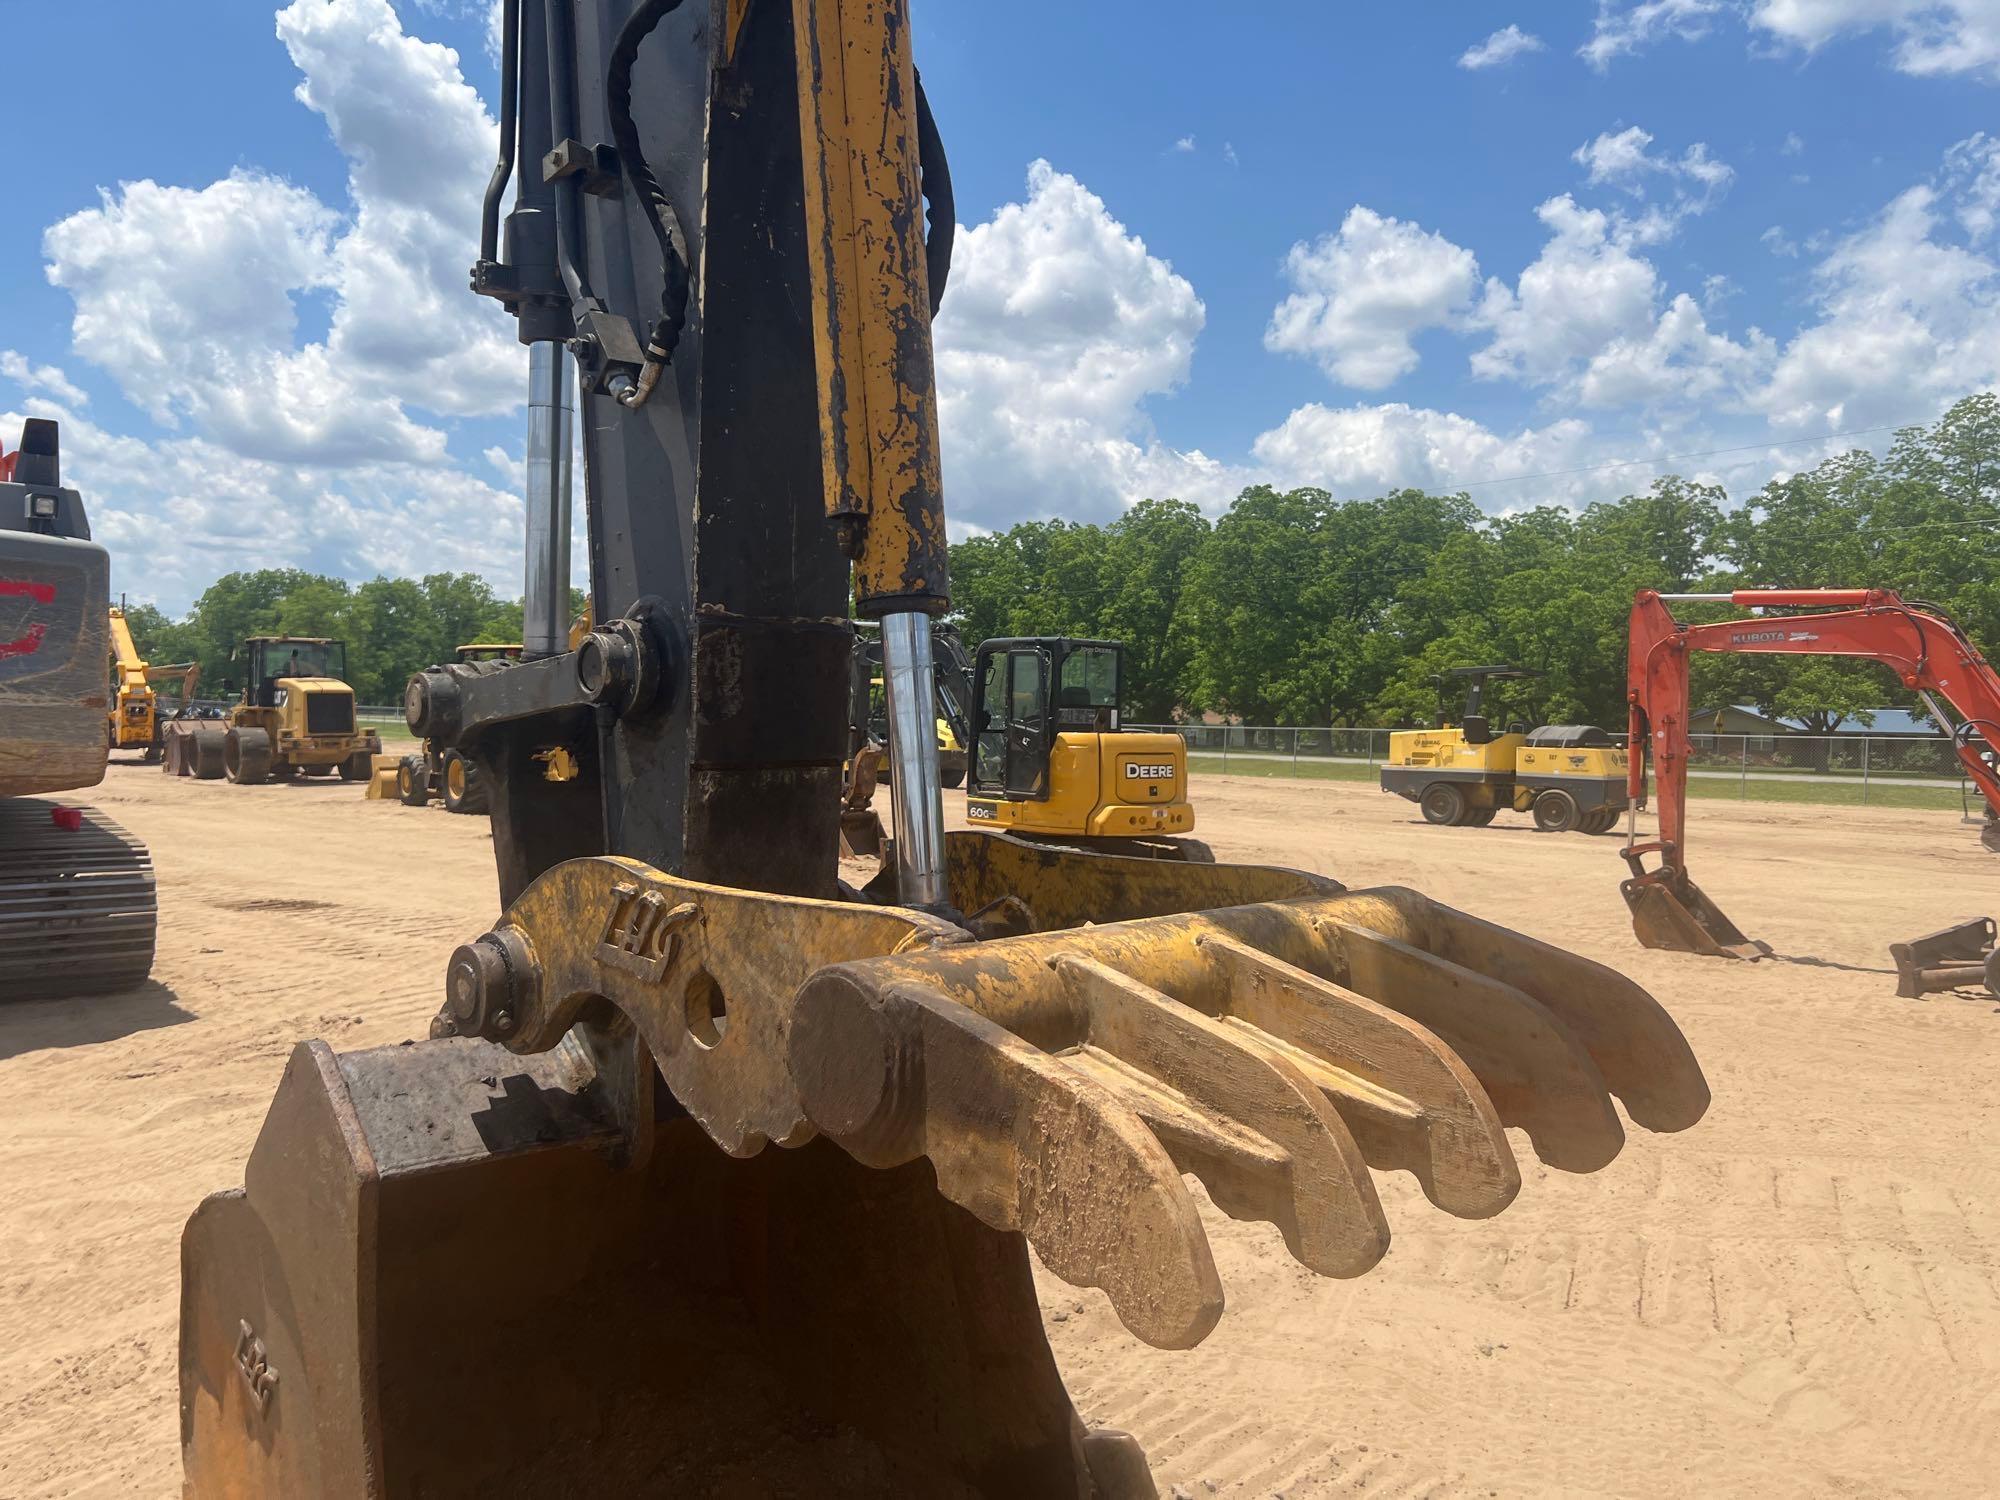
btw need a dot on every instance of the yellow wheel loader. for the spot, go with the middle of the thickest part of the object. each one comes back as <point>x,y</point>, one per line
<point>296,717</point>
<point>716,1177</point>
<point>1570,778</point>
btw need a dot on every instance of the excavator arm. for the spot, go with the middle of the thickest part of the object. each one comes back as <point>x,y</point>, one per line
<point>1922,645</point>
<point>715,1176</point>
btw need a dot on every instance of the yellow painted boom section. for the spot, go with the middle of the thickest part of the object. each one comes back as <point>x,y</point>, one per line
<point>871,298</point>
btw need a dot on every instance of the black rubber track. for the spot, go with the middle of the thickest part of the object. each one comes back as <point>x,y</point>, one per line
<point>78,908</point>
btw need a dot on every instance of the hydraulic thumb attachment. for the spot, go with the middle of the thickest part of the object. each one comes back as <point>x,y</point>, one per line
<point>510,1210</point>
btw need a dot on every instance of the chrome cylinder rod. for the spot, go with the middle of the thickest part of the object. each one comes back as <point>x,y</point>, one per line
<point>914,783</point>
<point>545,604</point>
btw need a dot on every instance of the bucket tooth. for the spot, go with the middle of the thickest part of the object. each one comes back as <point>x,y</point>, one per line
<point>1261,1137</point>
<point>1533,1069</point>
<point>1021,1139</point>
<point>1641,1053</point>
<point>1408,1099</point>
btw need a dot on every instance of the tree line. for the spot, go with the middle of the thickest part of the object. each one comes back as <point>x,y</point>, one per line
<point>1294,608</point>
<point>392,626</point>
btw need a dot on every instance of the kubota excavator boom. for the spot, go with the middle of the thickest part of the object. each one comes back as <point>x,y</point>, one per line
<point>715,1177</point>
<point>1919,642</point>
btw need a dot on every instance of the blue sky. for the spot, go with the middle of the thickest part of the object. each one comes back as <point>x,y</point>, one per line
<point>1303,243</point>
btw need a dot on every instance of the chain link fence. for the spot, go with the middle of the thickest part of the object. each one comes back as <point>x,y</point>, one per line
<point>386,720</point>
<point>1884,770</point>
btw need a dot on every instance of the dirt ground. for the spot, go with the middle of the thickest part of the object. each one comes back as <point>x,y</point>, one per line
<point>1798,1297</point>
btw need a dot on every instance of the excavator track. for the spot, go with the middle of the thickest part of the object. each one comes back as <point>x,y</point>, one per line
<point>78,906</point>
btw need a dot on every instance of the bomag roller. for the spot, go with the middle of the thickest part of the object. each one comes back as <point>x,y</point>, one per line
<point>1570,778</point>
<point>717,1178</point>
<point>296,717</point>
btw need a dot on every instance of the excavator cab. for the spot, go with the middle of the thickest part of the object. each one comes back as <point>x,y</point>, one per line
<point>1051,759</point>
<point>716,1176</point>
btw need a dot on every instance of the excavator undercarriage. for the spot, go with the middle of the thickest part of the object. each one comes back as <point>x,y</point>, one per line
<point>715,1175</point>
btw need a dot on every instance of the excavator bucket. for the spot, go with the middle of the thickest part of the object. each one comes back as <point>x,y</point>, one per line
<point>861,832</point>
<point>501,1262</point>
<point>1674,914</point>
<point>441,1279</point>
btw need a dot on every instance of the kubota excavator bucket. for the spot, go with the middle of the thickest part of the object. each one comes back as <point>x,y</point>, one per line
<point>499,1262</point>
<point>861,833</point>
<point>1671,912</point>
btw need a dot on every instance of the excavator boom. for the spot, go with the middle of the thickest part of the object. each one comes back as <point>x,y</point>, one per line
<point>1930,655</point>
<point>715,1175</point>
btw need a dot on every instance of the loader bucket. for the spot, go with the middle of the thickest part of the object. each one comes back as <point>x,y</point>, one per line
<point>437,1282</point>
<point>1670,911</point>
<point>382,779</point>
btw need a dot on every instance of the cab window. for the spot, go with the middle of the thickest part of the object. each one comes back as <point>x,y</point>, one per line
<point>1087,694</point>
<point>990,754</point>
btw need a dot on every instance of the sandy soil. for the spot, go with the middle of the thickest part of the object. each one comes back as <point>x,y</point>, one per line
<point>1796,1298</point>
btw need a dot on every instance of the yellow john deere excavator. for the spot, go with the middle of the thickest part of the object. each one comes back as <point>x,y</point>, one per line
<point>715,1177</point>
<point>1051,762</point>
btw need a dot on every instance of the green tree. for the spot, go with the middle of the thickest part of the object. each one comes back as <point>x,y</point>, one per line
<point>1146,553</point>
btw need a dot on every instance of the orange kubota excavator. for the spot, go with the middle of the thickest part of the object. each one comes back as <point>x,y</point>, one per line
<point>1919,642</point>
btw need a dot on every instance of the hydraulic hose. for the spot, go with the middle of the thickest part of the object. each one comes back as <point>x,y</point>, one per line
<point>653,201</point>
<point>510,93</point>
<point>936,188</point>
<point>676,276</point>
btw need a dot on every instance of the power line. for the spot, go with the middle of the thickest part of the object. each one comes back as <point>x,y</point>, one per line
<point>1668,458</point>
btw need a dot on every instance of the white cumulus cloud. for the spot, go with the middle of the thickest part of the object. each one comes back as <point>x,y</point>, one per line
<point>1908,317</point>
<point>17,367</point>
<point>1501,48</point>
<point>204,302</point>
<point>1583,291</point>
<point>1359,295</point>
<point>1928,38</point>
<point>1058,324</point>
<point>1364,450</point>
<point>1931,37</point>
<point>1621,159</point>
<point>1622,29</point>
